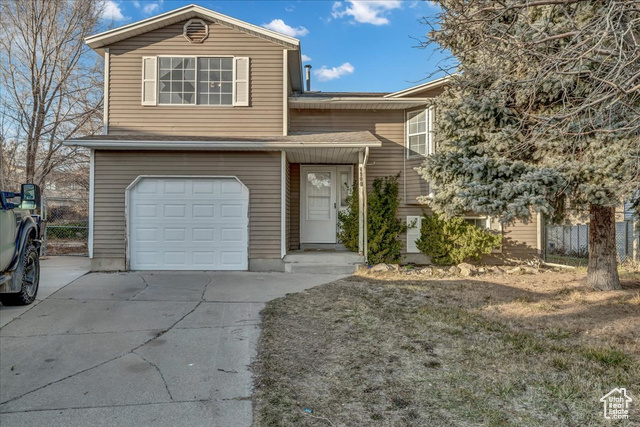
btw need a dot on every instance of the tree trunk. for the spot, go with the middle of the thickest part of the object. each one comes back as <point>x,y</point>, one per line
<point>602,273</point>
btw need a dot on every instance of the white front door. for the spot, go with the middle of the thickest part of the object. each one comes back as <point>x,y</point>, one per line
<point>322,197</point>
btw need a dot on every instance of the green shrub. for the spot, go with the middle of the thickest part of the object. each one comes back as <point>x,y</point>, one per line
<point>348,222</point>
<point>383,227</point>
<point>452,241</point>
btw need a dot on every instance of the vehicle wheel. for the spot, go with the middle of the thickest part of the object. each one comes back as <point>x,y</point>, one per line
<point>29,273</point>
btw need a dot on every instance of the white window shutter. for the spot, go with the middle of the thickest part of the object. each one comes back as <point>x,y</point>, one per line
<point>241,81</point>
<point>149,85</point>
<point>413,234</point>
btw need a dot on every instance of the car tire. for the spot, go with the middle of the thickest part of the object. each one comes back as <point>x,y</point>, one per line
<point>28,272</point>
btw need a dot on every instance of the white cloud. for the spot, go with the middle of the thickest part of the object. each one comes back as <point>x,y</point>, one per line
<point>150,8</point>
<point>290,8</point>
<point>366,12</point>
<point>305,58</point>
<point>279,26</point>
<point>111,11</point>
<point>325,74</point>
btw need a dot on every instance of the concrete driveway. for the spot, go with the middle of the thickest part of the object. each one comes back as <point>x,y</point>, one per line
<point>153,348</point>
<point>55,272</point>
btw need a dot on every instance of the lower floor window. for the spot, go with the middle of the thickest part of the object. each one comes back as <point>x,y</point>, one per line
<point>479,222</point>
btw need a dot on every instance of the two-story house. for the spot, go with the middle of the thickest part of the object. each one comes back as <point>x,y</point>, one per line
<point>216,157</point>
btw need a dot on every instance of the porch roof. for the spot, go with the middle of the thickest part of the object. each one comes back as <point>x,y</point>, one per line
<point>301,147</point>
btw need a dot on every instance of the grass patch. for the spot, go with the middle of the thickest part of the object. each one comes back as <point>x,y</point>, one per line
<point>364,351</point>
<point>609,357</point>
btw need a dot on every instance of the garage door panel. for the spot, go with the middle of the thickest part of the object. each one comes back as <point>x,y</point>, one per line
<point>190,223</point>
<point>203,211</point>
<point>203,234</point>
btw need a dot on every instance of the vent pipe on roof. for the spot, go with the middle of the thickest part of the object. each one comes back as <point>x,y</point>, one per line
<point>307,69</point>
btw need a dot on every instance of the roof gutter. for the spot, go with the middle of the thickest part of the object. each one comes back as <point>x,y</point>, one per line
<point>212,145</point>
<point>353,100</point>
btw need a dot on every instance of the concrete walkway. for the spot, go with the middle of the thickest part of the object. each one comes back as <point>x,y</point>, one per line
<point>124,349</point>
<point>55,272</point>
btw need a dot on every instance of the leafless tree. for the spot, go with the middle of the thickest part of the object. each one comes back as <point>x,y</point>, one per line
<point>50,90</point>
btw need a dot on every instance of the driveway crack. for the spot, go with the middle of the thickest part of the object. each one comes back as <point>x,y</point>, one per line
<point>106,361</point>
<point>166,386</point>
<point>146,285</point>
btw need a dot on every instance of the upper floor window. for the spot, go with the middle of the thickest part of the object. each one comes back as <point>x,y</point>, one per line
<point>195,81</point>
<point>420,136</point>
<point>181,79</point>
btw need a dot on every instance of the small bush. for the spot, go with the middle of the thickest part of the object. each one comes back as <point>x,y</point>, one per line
<point>348,222</point>
<point>452,241</point>
<point>383,226</point>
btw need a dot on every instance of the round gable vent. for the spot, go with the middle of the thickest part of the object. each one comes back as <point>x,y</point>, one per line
<point>196,30</point>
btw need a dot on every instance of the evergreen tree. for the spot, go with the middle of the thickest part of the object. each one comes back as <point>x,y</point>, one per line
<point>543,113</point>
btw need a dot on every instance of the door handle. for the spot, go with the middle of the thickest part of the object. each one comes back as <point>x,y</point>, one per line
<point>334,205</point>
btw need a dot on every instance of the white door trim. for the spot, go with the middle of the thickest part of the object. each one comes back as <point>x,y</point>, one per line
<point>127,195</point>
<point>335,171</point>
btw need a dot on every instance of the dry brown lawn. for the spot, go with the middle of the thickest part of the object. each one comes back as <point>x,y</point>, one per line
<point>398,350</point>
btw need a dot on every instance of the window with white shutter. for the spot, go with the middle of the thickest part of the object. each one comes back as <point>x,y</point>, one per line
<point>149,85</point>
<point>213,81</point>
<point>413,233</point>
<point>241,82</point>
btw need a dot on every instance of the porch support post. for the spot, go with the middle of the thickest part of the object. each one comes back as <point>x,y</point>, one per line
<point>361,205</point>
<point>363,157</point>
<point>283,203</point>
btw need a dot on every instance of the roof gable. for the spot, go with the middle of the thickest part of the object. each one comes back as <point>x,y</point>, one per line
<point>99,41</point>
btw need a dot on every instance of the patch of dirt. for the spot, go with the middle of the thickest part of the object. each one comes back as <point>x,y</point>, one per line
<point>67,247</point>
<point>392,349</point>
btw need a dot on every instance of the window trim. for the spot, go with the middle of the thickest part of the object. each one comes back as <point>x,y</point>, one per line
<point>195,104</point>
<point>487,219</point>
<point>429,143</point>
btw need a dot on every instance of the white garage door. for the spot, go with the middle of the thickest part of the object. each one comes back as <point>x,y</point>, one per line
<point>188,224</point>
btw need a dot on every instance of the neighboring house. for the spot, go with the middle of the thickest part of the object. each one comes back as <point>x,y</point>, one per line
<point>215,157</point>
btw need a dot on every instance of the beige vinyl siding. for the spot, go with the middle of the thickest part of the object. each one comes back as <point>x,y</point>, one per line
<point>259,171</point>
<point>415,185</point>
<point>387,125</point>
<point>521,240</point>
<point>294,211</point>
<point>263,116</point>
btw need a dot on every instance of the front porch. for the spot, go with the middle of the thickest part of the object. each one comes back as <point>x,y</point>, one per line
<point>322,262</point>
<point>317,184</point>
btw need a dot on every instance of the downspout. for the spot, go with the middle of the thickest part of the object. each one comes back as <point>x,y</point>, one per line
<point>364,205</point>
<point>105,101</point>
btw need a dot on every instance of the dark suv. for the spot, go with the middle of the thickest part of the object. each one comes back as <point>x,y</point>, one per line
<point>20,233</point>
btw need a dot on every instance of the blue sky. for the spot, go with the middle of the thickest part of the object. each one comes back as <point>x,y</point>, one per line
<point>352,45</point>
